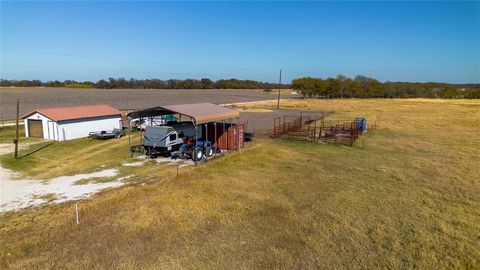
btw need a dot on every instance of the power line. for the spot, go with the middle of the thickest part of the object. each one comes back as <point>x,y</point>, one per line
<point>87,57</point>
<point>94,69</point>
<point>57,67</point>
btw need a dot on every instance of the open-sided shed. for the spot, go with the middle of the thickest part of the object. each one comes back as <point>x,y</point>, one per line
<point>221,125</point>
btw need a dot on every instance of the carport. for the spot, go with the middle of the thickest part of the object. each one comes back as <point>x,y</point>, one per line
<point>215,118</point>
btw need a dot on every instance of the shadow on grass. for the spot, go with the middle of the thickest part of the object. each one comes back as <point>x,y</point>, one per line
<point>35,151</point>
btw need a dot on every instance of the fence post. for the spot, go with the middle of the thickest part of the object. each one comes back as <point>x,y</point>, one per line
<point>308,131</point>
<point>301,119</point>
<point>76,213</point>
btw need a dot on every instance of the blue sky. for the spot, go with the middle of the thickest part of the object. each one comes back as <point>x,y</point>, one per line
<point>396,41</point>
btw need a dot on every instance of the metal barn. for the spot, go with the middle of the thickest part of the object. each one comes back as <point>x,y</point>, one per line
<point>68,123</point>
<point>217,124</point>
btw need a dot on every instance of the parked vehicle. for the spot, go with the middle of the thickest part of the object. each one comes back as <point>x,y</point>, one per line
<point>162,140</point>
<point>195,150</point>
<point>104,134</point>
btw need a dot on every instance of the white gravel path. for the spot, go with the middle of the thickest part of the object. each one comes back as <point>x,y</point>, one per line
<point>17,194</point>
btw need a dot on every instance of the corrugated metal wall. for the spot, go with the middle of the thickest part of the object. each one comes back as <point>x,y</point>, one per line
<point>80,128</point>
<point>73,129</point>
<point>227,140</point>
<point>50,128</point>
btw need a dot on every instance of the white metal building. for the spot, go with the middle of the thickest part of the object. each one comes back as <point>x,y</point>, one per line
<point>68,123</point>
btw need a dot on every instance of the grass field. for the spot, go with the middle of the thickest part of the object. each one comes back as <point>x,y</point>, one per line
<point>411,199</point>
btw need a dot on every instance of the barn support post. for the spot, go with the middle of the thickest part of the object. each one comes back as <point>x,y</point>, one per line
<point>129,143</point>
<point>238,133</point>
<point>16,129</point>
<point>223,135</point>
<point>142,131</point>
<point>194,151</point>
<point>215,137</point>
<point>230,134</point>
<point>206,139</point>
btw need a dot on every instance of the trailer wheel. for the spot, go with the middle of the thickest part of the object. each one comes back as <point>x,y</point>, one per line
<point>209,152</point>
<point>197,154</point>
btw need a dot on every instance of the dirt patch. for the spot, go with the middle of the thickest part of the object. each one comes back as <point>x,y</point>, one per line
<point>18,194</point>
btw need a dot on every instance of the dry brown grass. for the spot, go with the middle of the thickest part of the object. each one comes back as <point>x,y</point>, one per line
<point>410,200</point>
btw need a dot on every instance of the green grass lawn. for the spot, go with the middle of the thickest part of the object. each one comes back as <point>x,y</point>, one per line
<point>409,200</point>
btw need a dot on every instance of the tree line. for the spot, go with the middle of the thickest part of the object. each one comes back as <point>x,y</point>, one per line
<point>365,87</point>
<point>338,87</point>
<point>119,83</point>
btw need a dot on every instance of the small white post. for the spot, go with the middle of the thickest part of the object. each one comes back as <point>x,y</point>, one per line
<point>76,212</point>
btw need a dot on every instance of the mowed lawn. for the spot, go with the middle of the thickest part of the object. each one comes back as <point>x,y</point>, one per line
<point>410,199</point>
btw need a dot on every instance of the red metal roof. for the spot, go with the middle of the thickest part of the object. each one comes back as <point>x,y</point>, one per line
<point>77,112</point>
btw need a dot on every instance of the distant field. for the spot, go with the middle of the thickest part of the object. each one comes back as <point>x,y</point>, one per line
<point>409,200</point>
<point>32,98</point>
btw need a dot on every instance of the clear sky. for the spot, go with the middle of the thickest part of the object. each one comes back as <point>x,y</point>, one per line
<point>395,41</point>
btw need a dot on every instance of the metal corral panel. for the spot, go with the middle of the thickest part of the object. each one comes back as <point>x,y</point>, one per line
<point>227,140</point>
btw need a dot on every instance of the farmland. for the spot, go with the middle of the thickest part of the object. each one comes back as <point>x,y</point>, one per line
<point>32,98</point>
<point>410,199</point>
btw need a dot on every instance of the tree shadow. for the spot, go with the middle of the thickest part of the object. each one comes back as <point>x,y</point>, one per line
<point>35,151</point>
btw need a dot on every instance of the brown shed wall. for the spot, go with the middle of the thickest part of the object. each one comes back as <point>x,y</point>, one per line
<point>227,140</point>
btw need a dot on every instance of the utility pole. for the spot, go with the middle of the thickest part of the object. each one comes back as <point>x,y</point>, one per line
<point>279,84</point>
<point>16,132</point>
